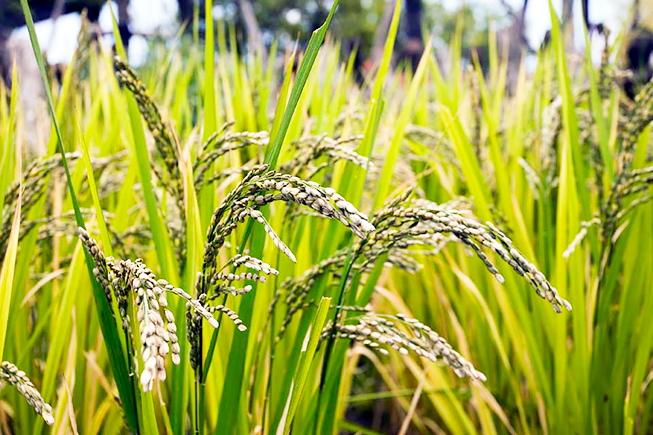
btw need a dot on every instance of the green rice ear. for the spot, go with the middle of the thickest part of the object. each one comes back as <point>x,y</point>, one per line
<point>17,378</point>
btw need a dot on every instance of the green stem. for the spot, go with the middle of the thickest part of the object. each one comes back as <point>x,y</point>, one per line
<point>105,314</point>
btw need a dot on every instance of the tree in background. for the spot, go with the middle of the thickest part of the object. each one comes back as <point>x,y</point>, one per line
<point>294,20</point>
<point>359,24</point>
<point>639,48</point>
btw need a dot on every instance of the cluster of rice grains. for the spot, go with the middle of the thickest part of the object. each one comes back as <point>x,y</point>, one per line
<point>381,331</point>
<point>310,149</point>
<point>34,183</point>
<point>261,187</point>
<point>410,224</point>
<point>220,143</point>
<point>398,229</point>
<point>627,182</point>
<point>258,188</point>
<point>157,328</point>
<point>163,138</point>
<point>10,374</point>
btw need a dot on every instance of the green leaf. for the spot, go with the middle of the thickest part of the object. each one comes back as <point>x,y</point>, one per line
<point>162,242</point>
<point>229,409</point>
<point>7,272</point>
<point>404,118</point>
<point>109,328</point>
<point>311,340</point>
<point>8,152</point>
<point>302,75</point>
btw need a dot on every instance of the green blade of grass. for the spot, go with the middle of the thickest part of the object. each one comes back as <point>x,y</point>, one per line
<point>642,353</point>
<point>402,121</point>
<point>572,191</point>
<point>569,117</point>
<point>283,96</point>
<point>8,152</point>
<point>207,194</point>
<point>262,112</point>
<point>194,243</point>
<point>194,229</point>
<point>503,184</point>
<point>307,354</point>
<point>302,75</point>
<point>356,428</point>
<point>229,409</point>
<point>374,111</point>
<point>470,164</point>
<point>109,328</point>
<point>60,339</point>
<point>11,251</point>
<point>99,215</point>
<point>7,272</point>
<point>162,242</point>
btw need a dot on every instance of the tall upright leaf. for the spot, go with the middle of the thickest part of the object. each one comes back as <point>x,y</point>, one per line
<point>109,328</point>
<point>8,265</point>
<point>229,409</point>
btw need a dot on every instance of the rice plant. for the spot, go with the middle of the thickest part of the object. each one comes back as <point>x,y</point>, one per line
<point>215,244</point>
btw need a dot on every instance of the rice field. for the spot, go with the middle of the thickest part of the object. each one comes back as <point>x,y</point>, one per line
<point>225,243</point>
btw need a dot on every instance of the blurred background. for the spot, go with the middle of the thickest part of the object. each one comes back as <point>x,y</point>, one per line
<point>359,24</point>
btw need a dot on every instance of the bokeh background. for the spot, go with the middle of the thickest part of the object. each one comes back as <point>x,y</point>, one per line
<point>521,28</point>
<point>359,23</point>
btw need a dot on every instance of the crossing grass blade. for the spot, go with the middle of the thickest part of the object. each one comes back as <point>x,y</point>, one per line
<point>306,359</point>
<point>194,242</point>
<point>207,195</point>
<point>164,251</point>
<point>8,268</point>
<point>304,71</point>
<point>109,329</point>
<point>99,214</point>
<point>405,115</point>
<point>573,205</point>
<point>8,152</point>
<point>234,375</point>
<point>374,109</point>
